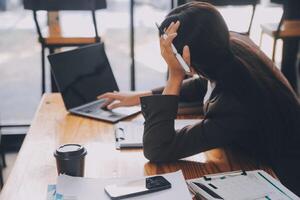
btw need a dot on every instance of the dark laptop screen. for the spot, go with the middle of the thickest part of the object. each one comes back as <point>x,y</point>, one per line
<point>82,74</point>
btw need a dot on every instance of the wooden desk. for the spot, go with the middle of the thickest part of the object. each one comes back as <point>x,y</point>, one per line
<point>52,126</point>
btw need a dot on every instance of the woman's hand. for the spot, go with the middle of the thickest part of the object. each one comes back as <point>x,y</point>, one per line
<point>176,71</point>
<point>119,99</point>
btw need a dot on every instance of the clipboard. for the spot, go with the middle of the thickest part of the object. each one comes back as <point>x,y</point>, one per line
<point>129,134</point>
<point>240,185</point>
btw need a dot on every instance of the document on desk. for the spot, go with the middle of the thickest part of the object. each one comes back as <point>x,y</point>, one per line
<point>77,188</point>
<point>130,134</point>
<point>250,185</point>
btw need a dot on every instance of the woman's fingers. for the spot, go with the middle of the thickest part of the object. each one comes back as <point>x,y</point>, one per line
<point>169,28</point>
<point>110,95</point>
<point>114,105</point>
<point>171,33</point>
<point>173,28</point>
<point>165,45</point>
<point>170,39</point>
<point>107,102</point>
<point>166,42</point>
<point>105,95</point>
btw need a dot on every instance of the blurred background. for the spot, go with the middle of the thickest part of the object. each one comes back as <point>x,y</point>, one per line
<point>20,52</point>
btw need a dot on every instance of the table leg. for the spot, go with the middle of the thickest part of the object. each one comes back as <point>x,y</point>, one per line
<point>289,60</point>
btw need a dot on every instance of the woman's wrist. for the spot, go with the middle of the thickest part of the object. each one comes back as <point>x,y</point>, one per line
<point>173,86</point>
<point>176,78</point>
<point>145,93</point>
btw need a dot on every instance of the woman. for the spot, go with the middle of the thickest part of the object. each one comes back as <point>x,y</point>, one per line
<point>250,105</point>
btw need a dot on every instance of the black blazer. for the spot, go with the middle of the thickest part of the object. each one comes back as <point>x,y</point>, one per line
<point>226,123</point>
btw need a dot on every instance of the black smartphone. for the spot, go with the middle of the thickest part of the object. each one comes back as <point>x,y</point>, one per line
<point>137,187</point>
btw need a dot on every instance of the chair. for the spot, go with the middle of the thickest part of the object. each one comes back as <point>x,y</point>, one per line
<point>282,30</point>
<point>252,3</point>
<point>55,40</point>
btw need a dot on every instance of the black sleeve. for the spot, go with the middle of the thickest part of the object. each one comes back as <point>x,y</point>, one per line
<point>192,89</point>
<point>163,143</point>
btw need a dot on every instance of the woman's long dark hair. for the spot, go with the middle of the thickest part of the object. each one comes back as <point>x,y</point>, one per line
<point>241,70</point>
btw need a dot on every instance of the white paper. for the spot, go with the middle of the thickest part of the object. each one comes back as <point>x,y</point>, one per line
<point>76,188</point>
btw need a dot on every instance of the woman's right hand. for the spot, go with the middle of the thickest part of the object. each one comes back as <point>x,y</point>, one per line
<point>120,99</point>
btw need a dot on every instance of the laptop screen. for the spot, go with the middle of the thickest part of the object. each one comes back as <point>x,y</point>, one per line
<point>82,74</point>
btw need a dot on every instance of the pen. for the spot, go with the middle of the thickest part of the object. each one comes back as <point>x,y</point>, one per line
<point>177,55</point>
<point>198,196</point>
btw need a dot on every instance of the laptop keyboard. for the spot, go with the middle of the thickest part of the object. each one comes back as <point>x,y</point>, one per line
<point>92,108</point>
<point>96,109</point>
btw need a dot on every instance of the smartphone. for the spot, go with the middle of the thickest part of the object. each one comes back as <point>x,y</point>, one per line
<point>177,55</point>
<point>137,187</point>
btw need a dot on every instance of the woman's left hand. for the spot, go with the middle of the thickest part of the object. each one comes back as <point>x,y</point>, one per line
<point>176,71</point>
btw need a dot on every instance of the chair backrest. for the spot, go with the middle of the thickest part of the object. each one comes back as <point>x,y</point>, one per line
<point>277,1</point>
<point>57,5</point>
<point>253,3</point>
<point>64,5</point>
<point>232,2</point>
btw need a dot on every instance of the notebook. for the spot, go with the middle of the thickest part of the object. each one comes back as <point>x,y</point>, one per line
<point>250,185</point>
<point>130,134</point>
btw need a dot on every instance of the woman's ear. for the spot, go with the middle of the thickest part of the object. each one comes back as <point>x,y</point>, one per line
<point>186,55</point>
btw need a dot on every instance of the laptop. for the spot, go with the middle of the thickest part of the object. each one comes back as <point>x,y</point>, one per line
<point>83,74</point>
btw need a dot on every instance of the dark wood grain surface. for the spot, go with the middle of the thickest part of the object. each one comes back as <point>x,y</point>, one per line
<point>52,126</point>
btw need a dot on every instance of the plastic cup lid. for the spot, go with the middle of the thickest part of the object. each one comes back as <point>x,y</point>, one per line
<point>70,150</point>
